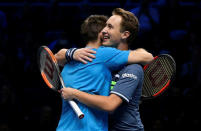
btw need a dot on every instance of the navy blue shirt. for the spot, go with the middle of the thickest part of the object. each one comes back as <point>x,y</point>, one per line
<point>129,88</point>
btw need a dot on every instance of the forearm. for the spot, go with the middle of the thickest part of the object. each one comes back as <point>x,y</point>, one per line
<point>95,101</point>
<point>65,55</point>
<point>60,56</point>
<point>106,103</point>
<point>82,55</point>
<point>140,56</point>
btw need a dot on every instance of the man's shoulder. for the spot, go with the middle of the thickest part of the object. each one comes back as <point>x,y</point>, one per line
<point>111,51</point>
<point>133,70</point>
<point>133,67</point>
<point>106,48</point>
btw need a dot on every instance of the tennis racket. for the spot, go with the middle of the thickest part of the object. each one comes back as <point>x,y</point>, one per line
<point>158,75</point>
<point>51,74</point>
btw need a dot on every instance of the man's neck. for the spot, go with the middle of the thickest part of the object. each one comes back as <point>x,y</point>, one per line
<point>123,46</point>
<point>94,44</point>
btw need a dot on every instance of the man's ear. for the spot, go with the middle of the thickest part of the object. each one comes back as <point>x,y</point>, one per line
<point>125,34</point>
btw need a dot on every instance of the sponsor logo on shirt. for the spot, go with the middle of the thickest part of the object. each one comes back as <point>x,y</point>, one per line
<point>117,76</point>
<point>129,75</point>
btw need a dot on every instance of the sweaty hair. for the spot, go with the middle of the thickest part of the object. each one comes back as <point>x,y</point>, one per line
<point>92,26</point>
<point>129,23</point>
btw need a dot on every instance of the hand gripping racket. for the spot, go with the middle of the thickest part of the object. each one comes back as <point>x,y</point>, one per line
<point>158,75</point>
<point>51,74</point>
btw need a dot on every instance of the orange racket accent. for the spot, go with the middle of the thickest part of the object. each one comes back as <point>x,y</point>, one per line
<point>46,80</point>
<point>51,84</point>
<point>52,55</point>
<point>168,83</point>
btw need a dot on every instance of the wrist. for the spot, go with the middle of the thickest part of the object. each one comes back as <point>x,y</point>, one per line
<point>75,94</point>
<point>69,54</point>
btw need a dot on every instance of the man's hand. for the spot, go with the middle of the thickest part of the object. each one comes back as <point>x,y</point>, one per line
<point>84,54</point>
<point>67,93</point>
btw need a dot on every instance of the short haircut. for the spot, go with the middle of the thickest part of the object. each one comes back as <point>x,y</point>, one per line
<point>129,23</point>
<point>92,26</point>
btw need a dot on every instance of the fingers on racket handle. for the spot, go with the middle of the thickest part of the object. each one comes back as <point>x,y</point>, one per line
<point>76,109</point>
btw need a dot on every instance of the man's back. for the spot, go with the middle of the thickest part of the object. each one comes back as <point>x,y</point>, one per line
<point>93,78</point>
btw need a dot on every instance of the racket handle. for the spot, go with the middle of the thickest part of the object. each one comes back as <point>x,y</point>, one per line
<point>76,109</point>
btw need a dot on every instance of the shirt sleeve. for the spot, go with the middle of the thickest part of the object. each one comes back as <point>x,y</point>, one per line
<point>129,80</point>
<point>116,59</point>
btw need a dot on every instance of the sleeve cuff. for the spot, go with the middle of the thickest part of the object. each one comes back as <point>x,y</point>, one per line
<point>122,96</point>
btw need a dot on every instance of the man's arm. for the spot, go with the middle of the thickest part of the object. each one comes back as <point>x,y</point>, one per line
<point>122,91</point>
<point>106,103</point>
<point>140,56</point>
<point>60,56</point>
<point>83,55</point>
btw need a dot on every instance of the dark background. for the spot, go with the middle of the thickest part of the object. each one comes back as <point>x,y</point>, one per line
<point>167,26</point>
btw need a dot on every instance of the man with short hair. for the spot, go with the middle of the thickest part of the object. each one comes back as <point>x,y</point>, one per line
<point>112,59</point>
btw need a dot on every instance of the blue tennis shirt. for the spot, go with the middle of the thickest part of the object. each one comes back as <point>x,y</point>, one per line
<point>93,78</point>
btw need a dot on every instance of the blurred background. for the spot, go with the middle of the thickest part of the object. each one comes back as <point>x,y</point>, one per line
<point>166,26</point>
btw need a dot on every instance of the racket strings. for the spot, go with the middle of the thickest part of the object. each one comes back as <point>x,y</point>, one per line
<point>158,75</point>
<point>48,67</point>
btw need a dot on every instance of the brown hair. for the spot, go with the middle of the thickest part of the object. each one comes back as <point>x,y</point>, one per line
<point>129,23</point>
<point>92,26</point>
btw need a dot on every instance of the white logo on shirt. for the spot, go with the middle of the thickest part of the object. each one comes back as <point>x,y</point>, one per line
<point>117,76</point>
<point>129,75</point>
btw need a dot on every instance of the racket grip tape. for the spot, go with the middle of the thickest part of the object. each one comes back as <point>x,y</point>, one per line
<point>76,109</point>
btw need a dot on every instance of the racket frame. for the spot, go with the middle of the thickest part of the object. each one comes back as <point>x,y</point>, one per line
<point>74,106</point>
<point>169,82</point>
